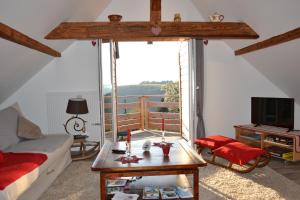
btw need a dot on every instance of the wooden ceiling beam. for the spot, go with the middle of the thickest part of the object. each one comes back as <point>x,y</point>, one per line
<point>141,31</point>
<point>15,36</point>
<point>279,39</point>
<point>155,11</point>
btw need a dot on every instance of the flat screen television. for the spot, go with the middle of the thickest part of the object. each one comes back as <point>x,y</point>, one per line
<point>273,112</point>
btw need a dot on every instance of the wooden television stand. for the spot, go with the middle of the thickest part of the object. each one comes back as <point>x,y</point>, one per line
<point>258,137</point>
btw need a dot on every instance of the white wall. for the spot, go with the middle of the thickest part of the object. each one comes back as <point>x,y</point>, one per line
<point>229,81</point>
<point>76,71</point>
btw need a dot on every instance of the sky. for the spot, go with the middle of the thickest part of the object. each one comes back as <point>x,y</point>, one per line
<point>140,61</point>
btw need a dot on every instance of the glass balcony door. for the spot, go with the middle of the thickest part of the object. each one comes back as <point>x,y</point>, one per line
<point>108,91</point>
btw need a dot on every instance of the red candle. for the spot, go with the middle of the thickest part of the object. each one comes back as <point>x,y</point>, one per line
<point>163,124</point>
<point>128,135</point>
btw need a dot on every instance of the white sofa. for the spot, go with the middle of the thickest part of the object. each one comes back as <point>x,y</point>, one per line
<point>55,146</point>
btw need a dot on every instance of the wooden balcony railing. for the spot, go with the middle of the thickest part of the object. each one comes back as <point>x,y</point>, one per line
<point>143,112</point>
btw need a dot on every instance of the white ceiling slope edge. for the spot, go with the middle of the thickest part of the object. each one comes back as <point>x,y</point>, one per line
<point>281,63</point>
<point>36,18</point>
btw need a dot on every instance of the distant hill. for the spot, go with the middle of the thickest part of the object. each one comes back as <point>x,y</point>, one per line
<point>139,90</point>
<point>144,88</point>
<point>155,82</point>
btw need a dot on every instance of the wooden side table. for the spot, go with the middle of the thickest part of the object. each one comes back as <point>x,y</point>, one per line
<point>84,149</point>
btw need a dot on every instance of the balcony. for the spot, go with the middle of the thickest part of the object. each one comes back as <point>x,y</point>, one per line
<point>143,113</point>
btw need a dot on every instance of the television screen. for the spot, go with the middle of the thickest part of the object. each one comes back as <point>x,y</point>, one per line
<point>272,111</point>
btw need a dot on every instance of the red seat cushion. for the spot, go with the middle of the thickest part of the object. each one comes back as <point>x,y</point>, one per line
<point>16,165</point>
<point>238,153</point>
<point>214,142</point>
<point>1,156</point>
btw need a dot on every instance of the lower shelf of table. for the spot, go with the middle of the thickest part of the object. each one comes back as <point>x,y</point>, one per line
<point>136,187</point>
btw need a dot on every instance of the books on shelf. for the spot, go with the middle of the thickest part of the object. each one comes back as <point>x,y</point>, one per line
<point>113,190</point>
<point>280,139</point>
<point>116,182</point>
<point>288,156</point>
<point>280,152</point>
<point>124,196</point>
<point>168,193</point>
<point>115,185</point>
<point>151,192</point>
<point>184,192</point>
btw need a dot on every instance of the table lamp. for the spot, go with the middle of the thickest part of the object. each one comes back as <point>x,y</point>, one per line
<point>76,106</point>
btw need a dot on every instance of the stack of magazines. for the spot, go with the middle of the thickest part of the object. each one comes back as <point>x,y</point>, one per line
<point>124,196</point>
<point>168,193</point>
<point>116,185</point>
<point>151,192</point>
<point>184,192</point>
<point>154,192</point>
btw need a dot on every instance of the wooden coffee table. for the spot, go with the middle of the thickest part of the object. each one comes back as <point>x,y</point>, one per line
<point>181,160</point>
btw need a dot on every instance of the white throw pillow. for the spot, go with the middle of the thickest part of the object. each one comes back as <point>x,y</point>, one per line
<point>17,107</point>
<point>8,127</point>
<point>28,130</point>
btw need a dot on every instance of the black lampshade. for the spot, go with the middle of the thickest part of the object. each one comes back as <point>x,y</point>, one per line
<point>77,106</point>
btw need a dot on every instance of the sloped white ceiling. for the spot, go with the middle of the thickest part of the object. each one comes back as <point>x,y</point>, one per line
<point>36,18</point>
<point>281,63</point>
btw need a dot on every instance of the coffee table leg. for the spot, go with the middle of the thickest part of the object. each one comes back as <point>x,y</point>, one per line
<point>102,186</point>
<point>196,184</point>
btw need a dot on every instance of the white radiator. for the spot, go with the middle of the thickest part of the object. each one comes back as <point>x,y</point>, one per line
<point>57,116</point>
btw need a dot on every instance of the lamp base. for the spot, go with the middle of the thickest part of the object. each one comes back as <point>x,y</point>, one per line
<point>80,136</point>
<point>78,125</point>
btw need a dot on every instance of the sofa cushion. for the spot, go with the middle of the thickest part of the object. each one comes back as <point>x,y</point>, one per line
<point>239,153</point>
<point>214,142</point>
<point>8,127</point>
<point>56,147</point>
<point>53,145</point>
<point>16,165</point>
<point>17,107</point>
<point>28,130</point>
<point>1,156</point>
<point>47,144</point>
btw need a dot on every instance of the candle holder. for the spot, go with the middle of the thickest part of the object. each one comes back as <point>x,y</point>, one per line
<point>128,146</point>
<point>128,150</point>
<point>166,149</point>
<point>163,130</point>
<point>163,137</point>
